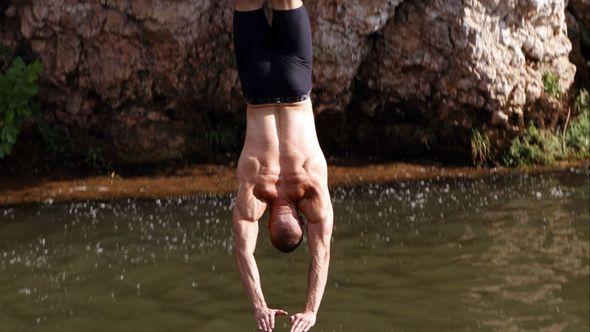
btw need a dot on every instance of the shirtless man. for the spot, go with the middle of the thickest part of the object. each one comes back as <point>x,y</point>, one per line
<point>282,166</point>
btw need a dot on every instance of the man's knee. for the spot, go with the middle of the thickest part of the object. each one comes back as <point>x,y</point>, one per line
<point>286,4</point>
<point>246,5</point>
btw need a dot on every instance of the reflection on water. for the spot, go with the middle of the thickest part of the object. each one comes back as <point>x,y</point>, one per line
<point>505,253</point>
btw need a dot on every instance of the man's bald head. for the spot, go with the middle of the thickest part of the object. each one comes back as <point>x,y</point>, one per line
<point>286,232</point>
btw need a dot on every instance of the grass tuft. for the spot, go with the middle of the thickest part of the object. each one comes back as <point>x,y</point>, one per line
<point>480,147</point>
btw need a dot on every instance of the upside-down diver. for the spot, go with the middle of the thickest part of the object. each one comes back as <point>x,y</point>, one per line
<point>282,166</point>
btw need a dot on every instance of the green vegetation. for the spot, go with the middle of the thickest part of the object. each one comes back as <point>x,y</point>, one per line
<point>223,134</point>
<point>551,84</point>
<point>57,141</point>
<point>535,147</point>
<point>480,147</point>
<point>94,157</point>
<point>539,146</point>
<point>60,147</point>
<point>222,140</point>
<point>577,135</point>
<point>17,88</point>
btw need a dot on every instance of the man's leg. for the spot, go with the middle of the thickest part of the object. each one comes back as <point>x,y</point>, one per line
<point>292,48</point>
<point>251,44</point>
<point>286,4</point>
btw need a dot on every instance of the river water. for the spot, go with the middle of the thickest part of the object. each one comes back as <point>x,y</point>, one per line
<point>504,253</point>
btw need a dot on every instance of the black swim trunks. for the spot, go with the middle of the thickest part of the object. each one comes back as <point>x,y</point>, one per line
<point>274,62</point>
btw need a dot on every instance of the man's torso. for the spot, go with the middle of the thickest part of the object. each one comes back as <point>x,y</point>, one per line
<point>282,161</point>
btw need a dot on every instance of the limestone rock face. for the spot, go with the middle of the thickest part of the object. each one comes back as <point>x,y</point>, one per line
<point>342,33</point>
<point>488,55</point>
<point>152,77</point>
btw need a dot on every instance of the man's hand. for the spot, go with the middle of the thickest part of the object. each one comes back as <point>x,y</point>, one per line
<point>303,322</point>
<point>265,318</point>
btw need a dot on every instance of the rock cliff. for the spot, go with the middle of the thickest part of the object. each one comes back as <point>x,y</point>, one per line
<point>578,21</point>
<point>151,80</point>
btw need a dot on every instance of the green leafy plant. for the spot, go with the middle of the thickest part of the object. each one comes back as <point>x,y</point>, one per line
<point>551,84</point>
<point>538,146</point>
<point>577,135</point>
<point>17,88</point>
<point>535,147</point>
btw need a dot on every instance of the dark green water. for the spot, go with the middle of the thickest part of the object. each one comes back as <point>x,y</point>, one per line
<point>507,253</point>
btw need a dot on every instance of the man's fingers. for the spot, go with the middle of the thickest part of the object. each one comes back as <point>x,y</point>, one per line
<point>305,325</point>
<point>261,324</point>
<point>280,312</point>
<point>271,319</point>
<point>296,325</point>
<point>264,324</point>
<point>301,325</point>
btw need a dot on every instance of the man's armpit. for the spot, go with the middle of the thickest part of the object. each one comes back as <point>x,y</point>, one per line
<point>249,207</point>
<point>316,208</point>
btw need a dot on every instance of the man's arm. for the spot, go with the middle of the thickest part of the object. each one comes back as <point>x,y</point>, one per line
<point>245,231</point>
<point>245,235</point>
<point>319,235</point>
<point>320,217</point>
